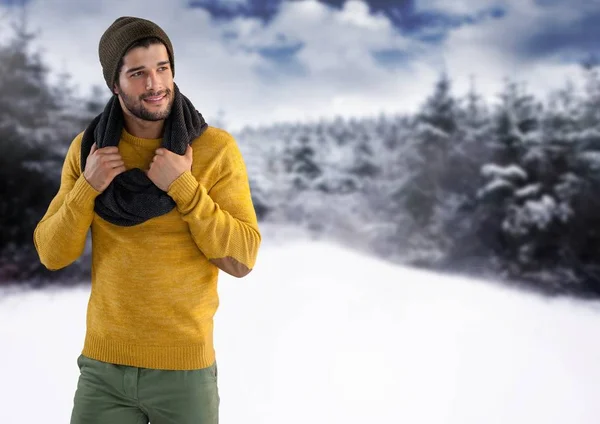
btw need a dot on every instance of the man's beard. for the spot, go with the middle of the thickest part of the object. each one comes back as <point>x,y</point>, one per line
<point>136,106</point>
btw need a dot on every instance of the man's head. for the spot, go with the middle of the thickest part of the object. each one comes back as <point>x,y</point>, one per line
<point>137,62</point>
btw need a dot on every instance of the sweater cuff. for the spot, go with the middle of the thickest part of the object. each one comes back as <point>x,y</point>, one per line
<point>183,189</point>
<point>83,194</point>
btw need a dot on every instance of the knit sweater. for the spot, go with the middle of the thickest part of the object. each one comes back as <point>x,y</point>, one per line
<point>154,285</point>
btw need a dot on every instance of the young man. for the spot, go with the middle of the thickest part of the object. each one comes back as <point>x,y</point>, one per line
<point>168,202</point>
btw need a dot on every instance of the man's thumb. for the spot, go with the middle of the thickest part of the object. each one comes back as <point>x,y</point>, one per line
<point>189,151</point>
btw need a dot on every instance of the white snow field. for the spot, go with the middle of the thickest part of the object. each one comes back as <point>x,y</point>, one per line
<point>321,334</point>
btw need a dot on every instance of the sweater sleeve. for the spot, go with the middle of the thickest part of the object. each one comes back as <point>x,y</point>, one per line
<point>60,236</point>
<point>223,221</point>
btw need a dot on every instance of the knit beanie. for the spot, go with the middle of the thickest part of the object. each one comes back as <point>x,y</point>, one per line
<point>117,39</point>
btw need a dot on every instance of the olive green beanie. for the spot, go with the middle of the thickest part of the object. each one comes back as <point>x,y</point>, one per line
<point>117,39</point>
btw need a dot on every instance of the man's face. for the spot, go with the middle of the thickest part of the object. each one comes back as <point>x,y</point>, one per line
<point>145,86</point>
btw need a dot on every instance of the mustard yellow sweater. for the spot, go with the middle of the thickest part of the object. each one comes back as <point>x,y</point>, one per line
<point>154,285</point>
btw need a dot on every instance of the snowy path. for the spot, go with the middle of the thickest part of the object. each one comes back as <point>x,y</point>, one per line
<point>317,334</point>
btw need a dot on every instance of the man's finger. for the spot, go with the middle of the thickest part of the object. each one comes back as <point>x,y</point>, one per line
<point>189,151</point>
<point>109,150</point>
<point>94,148</point>
<point>119,170</point>
<point>115,162</point>
<point>107,157</point>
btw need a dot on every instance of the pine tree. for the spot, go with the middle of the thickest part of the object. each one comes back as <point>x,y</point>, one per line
<point>366,143</point>
<point>35,129</point>
<point>300,159</point>
<point>575,128</point>
<point>427,164</point>
<point>436,124</point>
<point>591,102</point>
<point>516,120</point>
<point>526,204</point>
<point>457,211</point>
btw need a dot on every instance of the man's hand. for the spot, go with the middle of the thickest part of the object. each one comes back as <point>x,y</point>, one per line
<point>167,166</point>
<point>102,166</point>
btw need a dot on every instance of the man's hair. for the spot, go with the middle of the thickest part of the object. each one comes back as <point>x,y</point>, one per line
<point>144,42</point>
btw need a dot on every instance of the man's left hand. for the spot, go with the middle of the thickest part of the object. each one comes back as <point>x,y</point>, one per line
<point>167,166</point>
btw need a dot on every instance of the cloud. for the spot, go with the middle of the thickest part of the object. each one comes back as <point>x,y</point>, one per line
<point>312,60</point>
<point>533,29</point>
<point>340,73</point>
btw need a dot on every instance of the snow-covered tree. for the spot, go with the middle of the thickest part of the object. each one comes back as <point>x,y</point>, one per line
<point>590,108</point>
<point>455,213</point>
<point>526,204</point>
<point>36,127</point>
<point>426,163</point>
<point>300,159</point>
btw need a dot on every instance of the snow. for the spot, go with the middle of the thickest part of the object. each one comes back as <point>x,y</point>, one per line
<point>588,137</point>
<point>511,172</point>
<point>431,131</point>
<point>591,158</point>
<point>541,211</point>
<point>529,191</point>
<point>495,186</point>
<point>318,333</point>
<point>538,213</point>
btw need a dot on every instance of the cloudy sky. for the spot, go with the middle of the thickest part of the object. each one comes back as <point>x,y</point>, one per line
<point>261,61</point>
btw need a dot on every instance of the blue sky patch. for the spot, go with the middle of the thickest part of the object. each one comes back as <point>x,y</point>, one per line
<point>263,9</point>
<point>569,41</point>
<point>13,2</point>
<point>392,58</point>
<point>280,53</point>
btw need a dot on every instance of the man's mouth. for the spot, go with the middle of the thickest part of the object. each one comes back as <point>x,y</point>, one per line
<point>155,99</point>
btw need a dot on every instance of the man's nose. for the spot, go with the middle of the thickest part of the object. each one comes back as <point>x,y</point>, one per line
<point>152,82</point>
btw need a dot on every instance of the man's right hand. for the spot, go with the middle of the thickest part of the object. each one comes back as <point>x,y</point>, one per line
<point>102,166</point>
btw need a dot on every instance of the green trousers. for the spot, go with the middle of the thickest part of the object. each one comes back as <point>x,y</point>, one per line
<point>118,394</point>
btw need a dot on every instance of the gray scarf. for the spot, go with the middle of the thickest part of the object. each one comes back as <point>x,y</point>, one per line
<point>132,198</point>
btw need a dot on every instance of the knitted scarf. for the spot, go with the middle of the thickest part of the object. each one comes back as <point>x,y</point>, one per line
<point>132,198</point>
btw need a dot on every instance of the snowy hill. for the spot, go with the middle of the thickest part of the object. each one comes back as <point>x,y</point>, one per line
<point>320,334</point>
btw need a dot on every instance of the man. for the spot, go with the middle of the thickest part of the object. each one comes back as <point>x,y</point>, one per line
<point>168,202</point>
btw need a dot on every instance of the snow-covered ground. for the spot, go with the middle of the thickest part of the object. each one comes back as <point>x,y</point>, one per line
<point>321,334</point>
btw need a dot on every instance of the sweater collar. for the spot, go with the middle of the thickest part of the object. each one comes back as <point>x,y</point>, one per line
<point>138,141</point>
